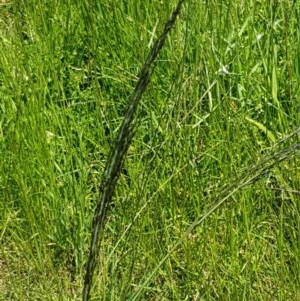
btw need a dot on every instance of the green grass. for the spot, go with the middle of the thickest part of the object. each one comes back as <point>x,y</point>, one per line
<point>224,91</point>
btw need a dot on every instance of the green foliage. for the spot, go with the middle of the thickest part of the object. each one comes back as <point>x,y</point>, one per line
<point>225,89</point>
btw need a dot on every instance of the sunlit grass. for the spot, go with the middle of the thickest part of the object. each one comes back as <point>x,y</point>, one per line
<point>225,89</point>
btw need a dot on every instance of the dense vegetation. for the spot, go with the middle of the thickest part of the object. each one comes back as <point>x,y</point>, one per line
<point>224,91</point>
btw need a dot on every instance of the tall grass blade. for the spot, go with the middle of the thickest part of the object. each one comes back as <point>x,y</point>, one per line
<point>250,176</point>
<point>118,152</point>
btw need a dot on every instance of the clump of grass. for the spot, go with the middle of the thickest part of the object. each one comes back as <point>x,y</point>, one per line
<point>225,90</point>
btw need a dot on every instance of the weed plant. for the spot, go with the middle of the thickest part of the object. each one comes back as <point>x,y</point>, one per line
<point>224,92</point>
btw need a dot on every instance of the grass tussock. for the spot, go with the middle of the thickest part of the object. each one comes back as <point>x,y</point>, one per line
<point>207,204</point>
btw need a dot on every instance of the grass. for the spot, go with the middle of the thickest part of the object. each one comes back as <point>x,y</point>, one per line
<point>224,91</point>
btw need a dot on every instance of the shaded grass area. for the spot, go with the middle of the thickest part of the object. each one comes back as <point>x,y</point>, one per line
<point>224,91</point>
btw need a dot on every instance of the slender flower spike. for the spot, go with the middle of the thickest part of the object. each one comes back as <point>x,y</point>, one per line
<point>118,152</point>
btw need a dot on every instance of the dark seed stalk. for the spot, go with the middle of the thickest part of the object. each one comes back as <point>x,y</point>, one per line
<point>118,152</point>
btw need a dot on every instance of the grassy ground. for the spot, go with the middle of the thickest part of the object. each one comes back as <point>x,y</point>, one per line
<point>225,89</point>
